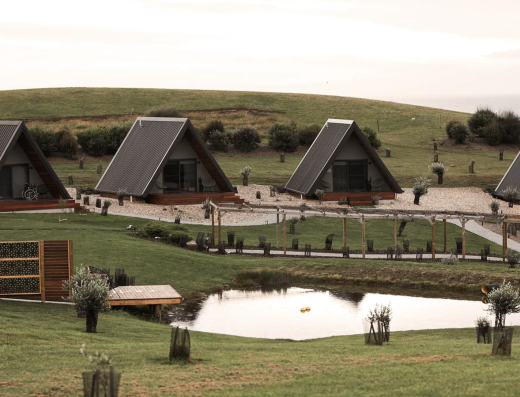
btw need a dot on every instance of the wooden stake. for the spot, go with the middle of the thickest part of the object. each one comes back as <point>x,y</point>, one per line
<point>219,228</point>
<point>363,236</point>
<point>395,234</point>
<point>277,228</point>
<point>212,225</point>
<point>284,236</point>
<point>42,271</point>
<point>433,239</point>
<point>463,238</point>
<point>344,232</point>
<point>444,224</point>
<point>504,241</point>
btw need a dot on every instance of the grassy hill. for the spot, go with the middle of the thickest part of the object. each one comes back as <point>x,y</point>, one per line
<point>408,131</point>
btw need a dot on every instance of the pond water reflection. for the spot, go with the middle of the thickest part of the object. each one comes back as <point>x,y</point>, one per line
<point>276,314</point>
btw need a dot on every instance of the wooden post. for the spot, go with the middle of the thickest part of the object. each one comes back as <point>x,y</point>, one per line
<point>363,236</point>
<point>277,228</point>
<point>504,240</point>
<point>433,239</point>
<point>344,232</point>
<point>395,234</point>
<point>444,224</point>
<point>463,238</point>
<point>219,227</point>
<point>42,271</point>
<point>284,236</point>
<point>212,225</point>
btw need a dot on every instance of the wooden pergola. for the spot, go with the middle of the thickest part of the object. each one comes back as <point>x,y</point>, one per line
<point>362,214</point>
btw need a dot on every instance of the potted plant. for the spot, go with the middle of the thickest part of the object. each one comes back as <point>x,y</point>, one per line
<point>320,195</point>
<point>104,209</point>
<point>438,169</point>
<point>102,380</point>
<point>420,188</point>
<point>245,175</point>
<point>206,206</point>
<point>121,193</point>
<point>495,206</point>
<point>510,194</point>
<point>375,200</point>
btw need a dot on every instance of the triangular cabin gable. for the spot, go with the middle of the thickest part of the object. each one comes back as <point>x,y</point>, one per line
<point>341,160</point>
<point>22,161</point>
<point>511,177</point>
<point>162,155</point>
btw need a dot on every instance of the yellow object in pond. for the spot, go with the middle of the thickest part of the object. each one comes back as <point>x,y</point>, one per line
<point>303,310</point>
<point>308,309</point>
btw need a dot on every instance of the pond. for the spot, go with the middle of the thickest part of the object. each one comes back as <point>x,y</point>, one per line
<point>277,314</point>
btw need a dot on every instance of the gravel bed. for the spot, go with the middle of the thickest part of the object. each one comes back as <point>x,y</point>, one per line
<point>468,199</point>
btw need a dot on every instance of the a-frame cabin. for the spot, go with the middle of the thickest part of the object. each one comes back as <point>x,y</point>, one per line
<point>343,164</point>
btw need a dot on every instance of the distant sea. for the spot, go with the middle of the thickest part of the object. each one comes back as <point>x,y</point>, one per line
<point>468,104</point>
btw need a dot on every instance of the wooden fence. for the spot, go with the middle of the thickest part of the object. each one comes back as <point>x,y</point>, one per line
<point>31,268</point>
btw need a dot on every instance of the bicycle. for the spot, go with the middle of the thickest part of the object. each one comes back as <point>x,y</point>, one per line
<point>30,192</point>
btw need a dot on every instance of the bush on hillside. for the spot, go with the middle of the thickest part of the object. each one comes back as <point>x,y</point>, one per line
<point>163,111</point>
<point>307,135</point>
<point>168,231</point>
<point>211,126</point>
<point>66,143</point>
<point>510,126</point>
<point>46,140</point>
<point>115,135</point>
<point>283,137</point>
<point>459,133</point>
<point>372,137</point>
<point>480,120</point>
<point>450,125</point>
<point>493,133</point>
<point>93,141</point>
<point>219,140</point>
<point>246,139</point>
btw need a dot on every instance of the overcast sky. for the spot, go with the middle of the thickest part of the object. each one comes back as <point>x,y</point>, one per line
<point>370,48</point>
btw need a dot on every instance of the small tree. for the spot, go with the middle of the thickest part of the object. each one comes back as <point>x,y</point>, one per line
<point>438,169</point>
<point>495,206</point>
<point>219,140</point>
<point>510,194</point>
<point>308,134</point>
<point>480,119</point>
<point>449,127</point>
<point>459,133</point>
<point>320,195</point>
<point>246,139</point>
<point>89,294</point>
<point>493,133</point>
<point>512,258</point>
<point>502,301</point>
<point>420,188</point>
<point>283,137</point>
<point>371,135</point>
<point>212,126</point>
<point>245,175</point>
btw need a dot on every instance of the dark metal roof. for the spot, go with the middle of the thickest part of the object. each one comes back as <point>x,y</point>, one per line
<point>324,150</point>
<point>13,131</point>
<point>511,177</point>
<point>144,153</point>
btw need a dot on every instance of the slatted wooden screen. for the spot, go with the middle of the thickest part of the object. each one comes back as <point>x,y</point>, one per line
<point>35,268</point>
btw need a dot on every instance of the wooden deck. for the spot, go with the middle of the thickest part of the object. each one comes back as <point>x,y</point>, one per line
<point>193,198</point>
<point>36,205</point>
<point>355,198</point>
<point>143,295</point>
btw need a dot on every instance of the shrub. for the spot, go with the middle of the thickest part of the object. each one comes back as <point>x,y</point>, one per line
<point>46,140</point>
<point>176,235</point>
<point>67,144</point>
<point>307,135</point>
<point>493,133</point>
<point>450,125</point>
<point>219,140</point>
<point>115,135</point>
<point>246,139</point>
<point>480,120</point>
<point>163,230</point>
<point>320,194</point>
<point>282,137</point>
<point>89,294</point>
<point>510,194</point>
<point>372,137</point>
<point>503,301</point>
<point>450,260</point>
<point>212,126</point>
<point>437,168</point>
<point>510,126</point>
<point>420,187</point>
<point>163,111</point>
<point>459,133</point>
<point>93,141</point>
<point>512,258</point>
<point>495,206</point>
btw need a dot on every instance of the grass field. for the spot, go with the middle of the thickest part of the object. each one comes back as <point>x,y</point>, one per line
<point>408,131</point>
<point>39,346</point>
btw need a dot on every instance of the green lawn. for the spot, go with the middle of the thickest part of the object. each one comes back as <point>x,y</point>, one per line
<point>39,346</point>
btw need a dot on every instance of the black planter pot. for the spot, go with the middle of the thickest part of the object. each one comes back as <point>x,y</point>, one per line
<point>416,199</point>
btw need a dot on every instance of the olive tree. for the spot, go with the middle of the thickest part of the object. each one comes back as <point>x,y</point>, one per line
<point>502,301</point>
<point>420,188</point>
<point>89,295</point>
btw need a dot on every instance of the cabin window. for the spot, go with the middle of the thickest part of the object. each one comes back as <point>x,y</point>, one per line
<point>180,176</point>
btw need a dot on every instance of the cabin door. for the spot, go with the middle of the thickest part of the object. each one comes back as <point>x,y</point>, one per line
<point>12,181</point>
<point>349,176</point>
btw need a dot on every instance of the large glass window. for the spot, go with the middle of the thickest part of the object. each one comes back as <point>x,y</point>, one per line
<point>180,176</point>
<point>349,176</point>
<point>6,185</point>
